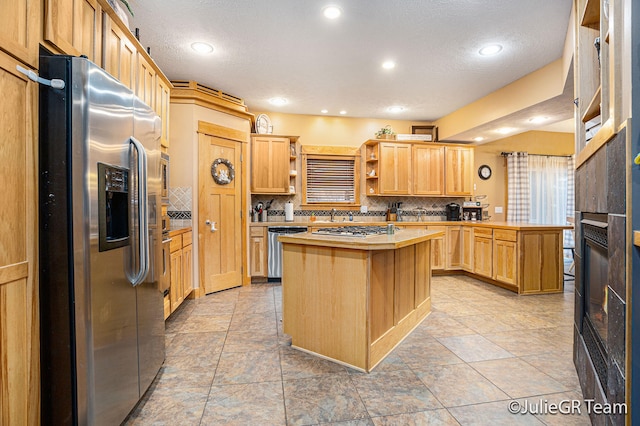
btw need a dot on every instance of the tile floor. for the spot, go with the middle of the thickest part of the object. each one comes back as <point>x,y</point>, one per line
<point>228,363</point>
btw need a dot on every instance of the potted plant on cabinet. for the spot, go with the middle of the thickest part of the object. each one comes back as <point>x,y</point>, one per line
<point>386,133</point>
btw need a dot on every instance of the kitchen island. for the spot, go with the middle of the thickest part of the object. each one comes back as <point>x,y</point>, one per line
<point>353,299</point>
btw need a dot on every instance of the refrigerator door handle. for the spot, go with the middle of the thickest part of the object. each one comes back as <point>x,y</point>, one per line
<point>143,222</point>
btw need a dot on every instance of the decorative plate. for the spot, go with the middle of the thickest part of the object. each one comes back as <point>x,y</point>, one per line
<point>263,124</point>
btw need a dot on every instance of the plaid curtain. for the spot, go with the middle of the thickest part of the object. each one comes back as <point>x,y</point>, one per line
<point>571,200</point>
<point>518,187</point>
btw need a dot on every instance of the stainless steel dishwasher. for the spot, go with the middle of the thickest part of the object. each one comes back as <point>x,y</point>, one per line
<point>275,247</point>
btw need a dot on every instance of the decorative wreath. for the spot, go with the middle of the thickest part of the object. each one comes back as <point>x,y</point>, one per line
<point>222,176</point>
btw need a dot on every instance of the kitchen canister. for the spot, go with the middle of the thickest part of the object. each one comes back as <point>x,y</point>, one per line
<point>288,211</point>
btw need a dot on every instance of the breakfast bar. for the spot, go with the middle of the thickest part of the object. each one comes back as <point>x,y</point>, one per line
<point>352,299</point>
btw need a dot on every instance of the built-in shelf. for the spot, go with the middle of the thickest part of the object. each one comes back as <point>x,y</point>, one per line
<point>593,110</point>
<point>636,238</point>
<point>591,14</point>
<point>372,177</point>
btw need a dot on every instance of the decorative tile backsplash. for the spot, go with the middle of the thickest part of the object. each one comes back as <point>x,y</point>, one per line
<point>180,199</point>
<point>376,207</point>
<point>179,209</point>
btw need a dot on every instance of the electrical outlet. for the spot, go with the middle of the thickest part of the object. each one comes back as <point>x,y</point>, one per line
<point>364,209</point>
<point>475,186</point>
<point>498,210</point>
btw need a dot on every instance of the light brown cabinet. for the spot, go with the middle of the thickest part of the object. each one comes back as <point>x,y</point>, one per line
<point>258,251</point>
<point>428,170</point>
<point>401,168</point>
<point>467,248</point>
<point>505,256</point>
<point>146,85</point>
<point>271,158</point>
<point>483,252</point>
<point>459,170</point>
<point>162,100</point>
<point>20,30</point>
<point>19,327</point>
<point>119,53</point>
<point>394,169</point>
<point>453,237</point>
<point>181,268</point>
<point>541,270</point>
<point>438,249</point>
<point>74,27</point>
<point>175,292</point>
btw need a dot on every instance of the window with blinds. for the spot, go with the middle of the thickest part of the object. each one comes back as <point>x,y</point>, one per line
<point>330,180</point>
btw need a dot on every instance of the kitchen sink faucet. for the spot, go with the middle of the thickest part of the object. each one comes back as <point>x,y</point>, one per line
<point>333,213</point>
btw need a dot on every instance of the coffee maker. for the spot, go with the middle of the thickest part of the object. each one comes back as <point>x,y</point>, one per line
<point>453,212</point>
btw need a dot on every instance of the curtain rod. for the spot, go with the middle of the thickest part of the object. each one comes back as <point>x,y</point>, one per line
<point>504,154</point>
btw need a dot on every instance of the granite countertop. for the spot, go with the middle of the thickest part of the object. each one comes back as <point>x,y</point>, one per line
<point>487,224</point>
<point>178,231</point>
<point>401,238</point>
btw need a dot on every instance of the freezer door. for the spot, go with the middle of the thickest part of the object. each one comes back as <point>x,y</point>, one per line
<point>150,295</point>
<point>105,301</point>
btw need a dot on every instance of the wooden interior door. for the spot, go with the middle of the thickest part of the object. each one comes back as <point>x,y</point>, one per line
<point>219,213</point>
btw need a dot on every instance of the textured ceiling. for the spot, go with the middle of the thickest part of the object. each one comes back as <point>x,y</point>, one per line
<point>287,48</point>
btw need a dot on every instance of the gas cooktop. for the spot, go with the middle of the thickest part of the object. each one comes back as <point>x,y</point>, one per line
<point>353,231</point>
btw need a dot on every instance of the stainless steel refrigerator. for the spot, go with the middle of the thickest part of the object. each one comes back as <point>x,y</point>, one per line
<point>102,323</point>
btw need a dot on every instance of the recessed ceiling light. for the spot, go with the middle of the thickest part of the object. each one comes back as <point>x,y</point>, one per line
<point>388,65</point>
<point>478,139</point>
<point>332,12</point>
<point>538,119</point>
<point>278,101</point>
<point>504,130</point>
<point>395,109</point>
<point>324,111</point>
<point>343,112</point>
<point>201,47</point>
<point>492,49</point>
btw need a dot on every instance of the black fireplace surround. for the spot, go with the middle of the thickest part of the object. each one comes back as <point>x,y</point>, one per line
<point>599,350</point>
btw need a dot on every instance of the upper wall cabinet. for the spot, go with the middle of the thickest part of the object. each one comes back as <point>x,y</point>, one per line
<point>20,29</point>
<point>424,169</point>
<point>162,101</point>
<point>272,160</point>
<point>395,169</point>
<point>428,170</point>
<point>119,54</point>
<point>459,170</point>
<point>74,27</point>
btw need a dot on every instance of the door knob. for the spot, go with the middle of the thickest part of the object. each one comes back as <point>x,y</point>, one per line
<point>213,225</point>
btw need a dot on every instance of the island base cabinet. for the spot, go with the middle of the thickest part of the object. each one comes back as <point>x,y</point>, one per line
<point>542,267</point>
<point>325,302</point>
<point>354,306</point>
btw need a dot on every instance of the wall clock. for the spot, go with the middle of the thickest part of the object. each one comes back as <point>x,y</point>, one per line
<point>263,124</point>
<point>484,172</point>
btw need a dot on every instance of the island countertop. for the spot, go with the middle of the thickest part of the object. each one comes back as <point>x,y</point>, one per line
<point>401,238</point>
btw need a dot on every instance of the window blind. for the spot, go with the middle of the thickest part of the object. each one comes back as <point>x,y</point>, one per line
<point>330,181</point>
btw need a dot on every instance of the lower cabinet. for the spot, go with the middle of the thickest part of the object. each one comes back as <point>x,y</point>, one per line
<point>258,251</point>
<point>453,235</point>
<point>505,259</point>
<point>467,249</point>
<point>483,252</point>
<point>438,249</point>
<point>181,268</point>
<point>175,293</point>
